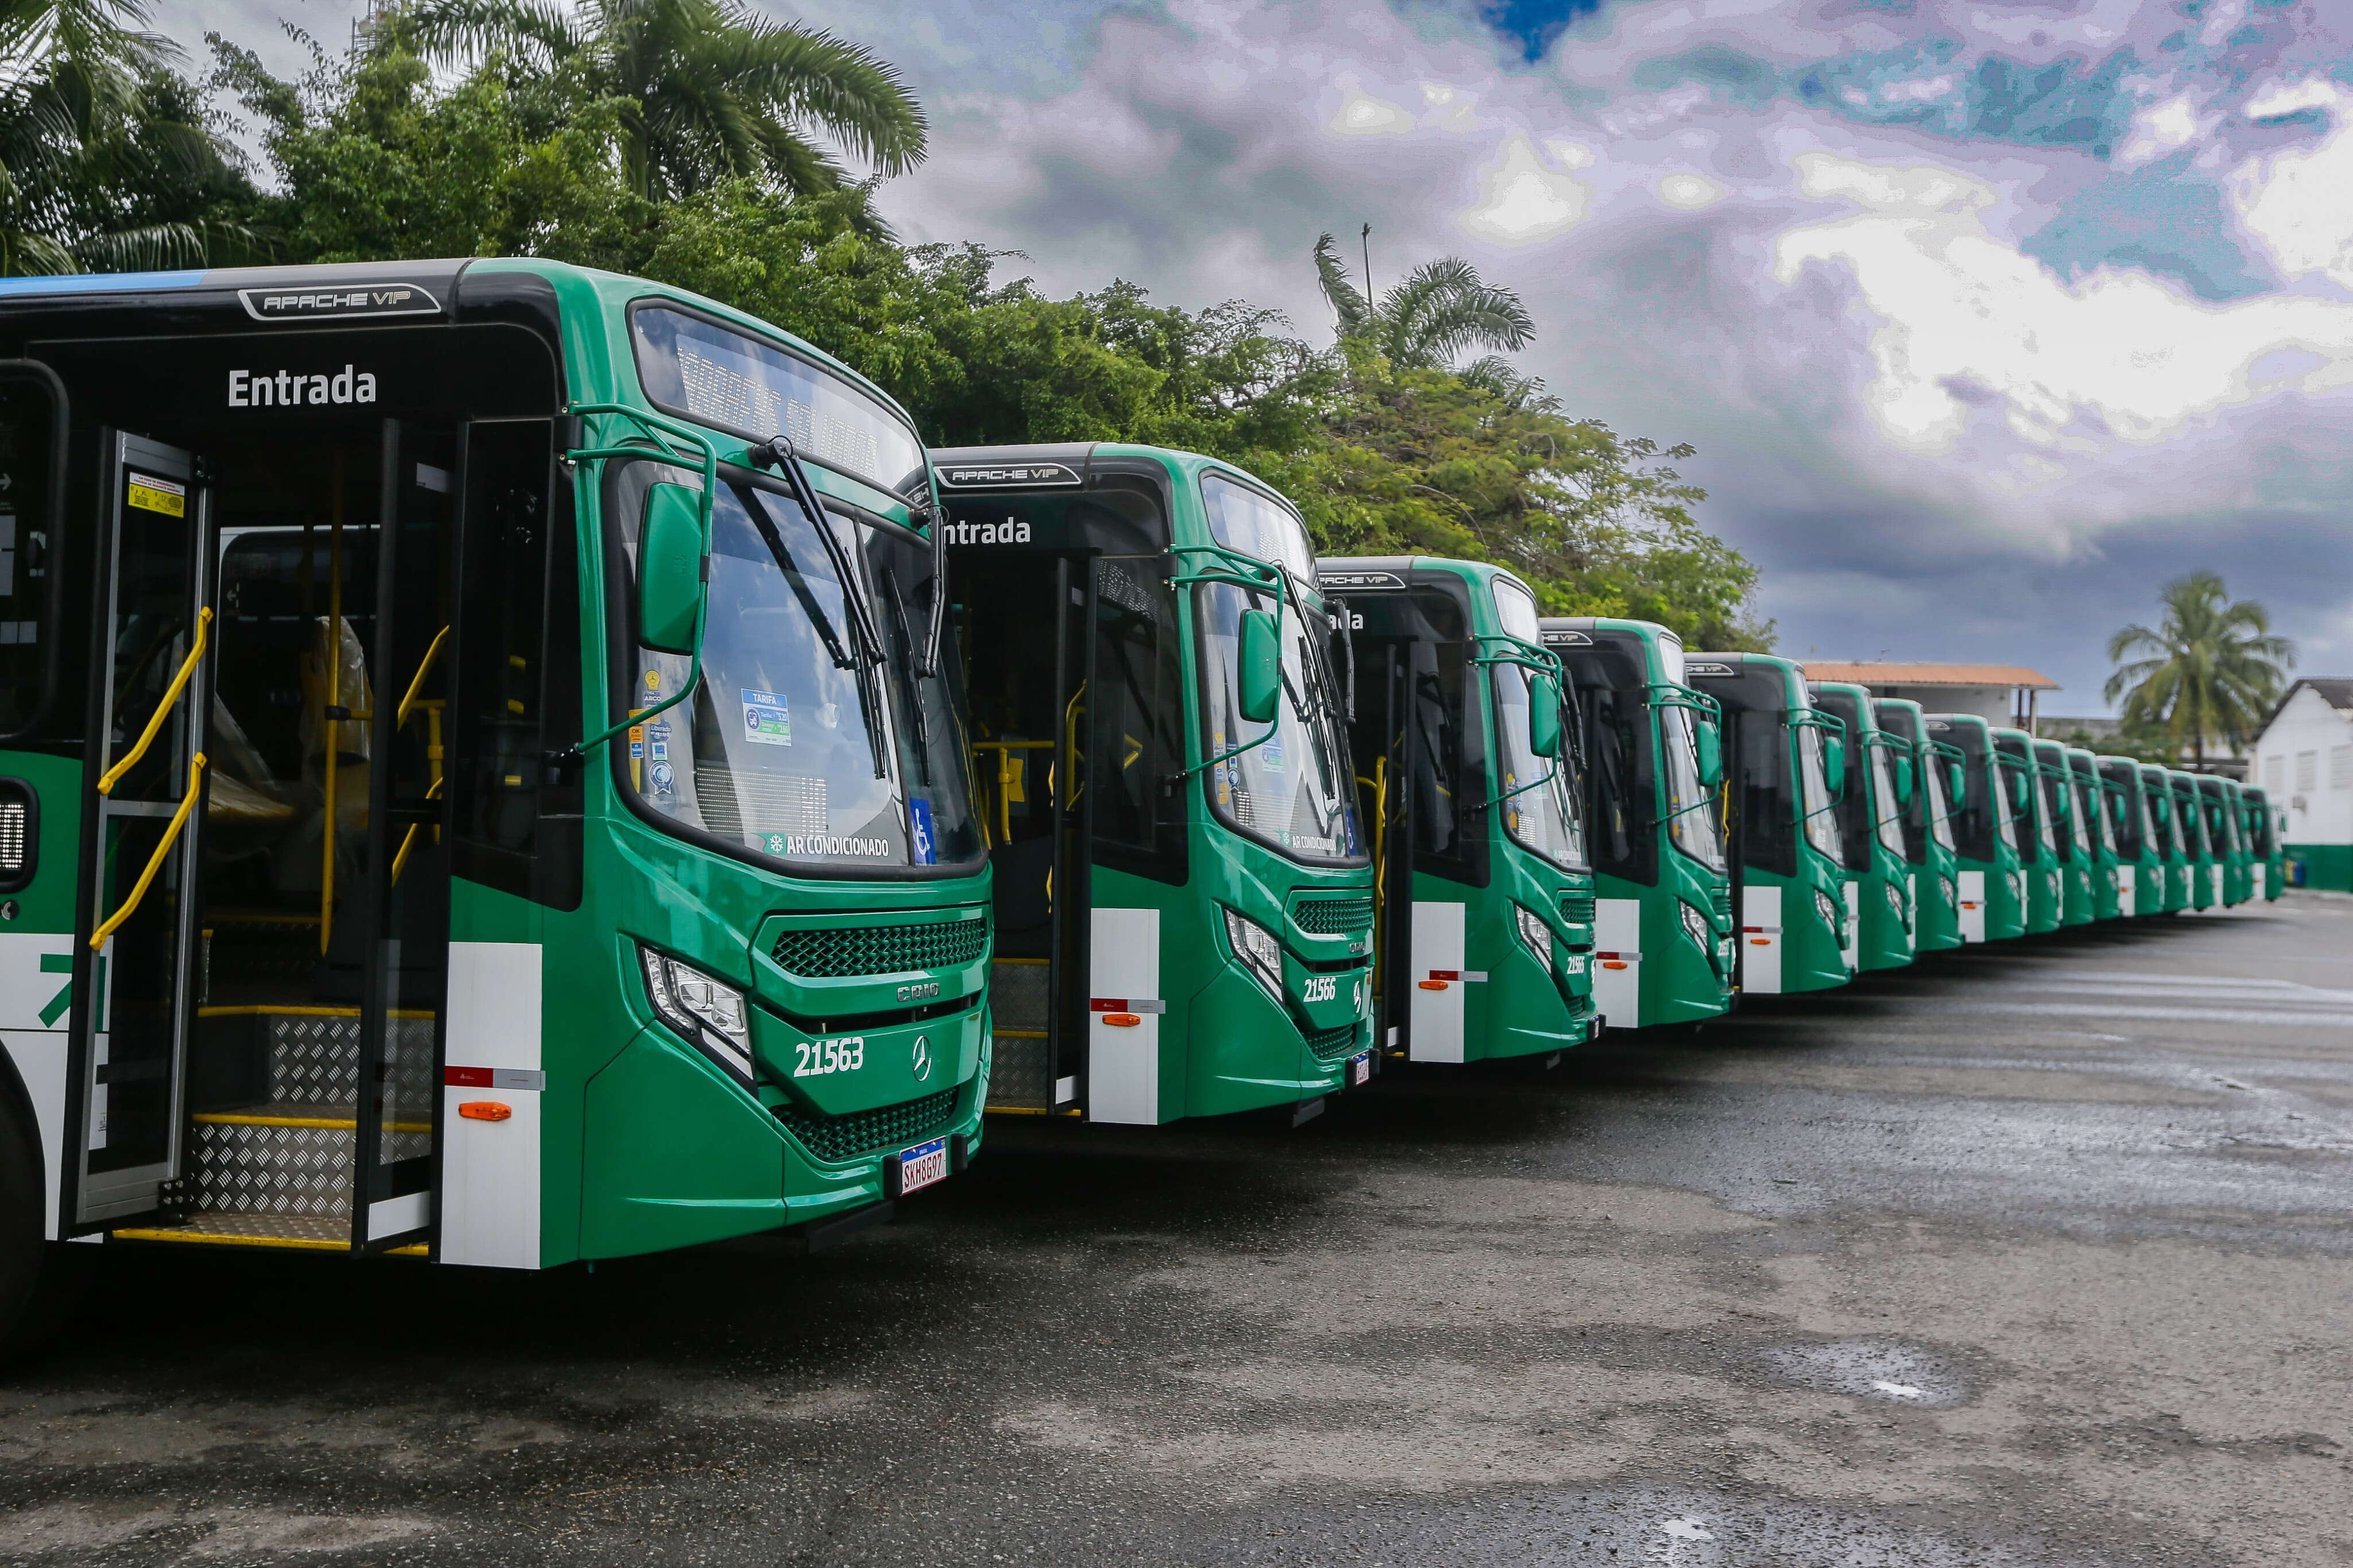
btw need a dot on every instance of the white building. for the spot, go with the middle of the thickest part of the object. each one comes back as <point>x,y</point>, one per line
<point>2304,760</point>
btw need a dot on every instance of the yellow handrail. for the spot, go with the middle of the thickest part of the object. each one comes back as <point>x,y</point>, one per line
<point>155,861</point>
<point>424,668</point>
<point>163,709</point>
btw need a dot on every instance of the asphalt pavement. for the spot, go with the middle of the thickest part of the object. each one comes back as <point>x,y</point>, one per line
<point>2039,1255</point>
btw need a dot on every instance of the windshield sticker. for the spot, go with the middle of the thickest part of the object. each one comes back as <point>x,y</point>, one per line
<point>920,844</point>
<point>1271,756</point>
<point>166,496</point>
<point>805,845</point>
<point>765,721</point>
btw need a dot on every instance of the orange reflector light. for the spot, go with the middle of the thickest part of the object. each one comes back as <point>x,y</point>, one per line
<point>1122,1020</point>
<point>1613,963</point>
<point>485,1111</point>
<point>1432,984</point>
<point>1760,942</point>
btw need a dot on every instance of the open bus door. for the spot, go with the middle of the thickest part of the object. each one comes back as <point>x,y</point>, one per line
<point>1031,611</point>
<point>262,929</point>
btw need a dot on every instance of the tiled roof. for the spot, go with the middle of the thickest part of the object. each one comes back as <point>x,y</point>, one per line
<point>1901,673</point>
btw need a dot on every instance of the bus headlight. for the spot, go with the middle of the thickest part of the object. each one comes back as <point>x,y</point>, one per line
<point>1951,896</point>
<point>1895,902</point>
<point>1697,927</point>
<point>1259,951</point>
<point>1535,934</point>
<point>1828,909</point>
<point>706,1012</point>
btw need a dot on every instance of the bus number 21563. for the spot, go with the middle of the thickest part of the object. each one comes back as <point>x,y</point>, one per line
<point>818,1058</point>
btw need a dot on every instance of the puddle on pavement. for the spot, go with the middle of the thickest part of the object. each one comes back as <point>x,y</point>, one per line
<point>1873,1369</point>
<point>1632,1527</point>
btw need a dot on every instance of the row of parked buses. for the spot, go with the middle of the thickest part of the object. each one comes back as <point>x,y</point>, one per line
<point>511,765</point>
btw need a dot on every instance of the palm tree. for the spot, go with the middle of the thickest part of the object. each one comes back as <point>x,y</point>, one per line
<point>1441,309</point>
<point>2212,668</point>
<point>712,91</point>
<point>88,126</point>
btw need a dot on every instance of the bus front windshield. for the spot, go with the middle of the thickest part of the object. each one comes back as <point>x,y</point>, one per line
<point>1940,811</point>
<point>1690,824</point>
<point>1814,791</point>
<point>810,738</point>
<point>1293,791</point>
<point>1544,819</point>
<point>2090,825</point>
<point>1890,824</point>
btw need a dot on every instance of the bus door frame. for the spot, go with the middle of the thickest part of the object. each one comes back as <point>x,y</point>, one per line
<point>113,1195</point>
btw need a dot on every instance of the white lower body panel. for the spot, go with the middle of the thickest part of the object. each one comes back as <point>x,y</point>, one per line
<point>1760,941</point>
<point>1617,962</point>
<point>1124,1059</point>
<point>489,1169</point>
<point>1973,902</point>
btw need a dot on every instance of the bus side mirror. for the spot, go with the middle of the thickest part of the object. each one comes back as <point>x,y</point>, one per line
<point>1834,764</point>
<point>1543,717</point>
<point>2020,790</point>
<point>1902,779</point>
<point>1261,670</point>
<point>1958,784</point>
<point>669,569</point>
<point>1711,754</point>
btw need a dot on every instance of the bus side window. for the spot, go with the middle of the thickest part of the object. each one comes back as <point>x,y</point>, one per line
<point>1137,723</point>
<point>517,691</point>
<point>28,432</point>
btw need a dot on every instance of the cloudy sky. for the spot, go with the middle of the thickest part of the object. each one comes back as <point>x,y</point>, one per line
<point>1985,317</point>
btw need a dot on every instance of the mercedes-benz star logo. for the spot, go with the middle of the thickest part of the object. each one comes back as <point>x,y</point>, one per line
<point>923,1058</point>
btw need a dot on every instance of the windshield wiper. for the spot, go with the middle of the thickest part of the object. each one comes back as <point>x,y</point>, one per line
<point>915,698</point>
<point>778,451</point>
<point>774,537</point>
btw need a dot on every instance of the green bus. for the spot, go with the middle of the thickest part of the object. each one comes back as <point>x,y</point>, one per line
<point>2086,797</point>
<point>488,753</point>
<point>2269,862</point>
<point>1870,825</point>
<point>1183,892</point>
<point>1653,762</point>
<point>1486,897</point>
<point>2173,845</point>
<point>1785,762</point>
<point>1985,835</point>
<point>2225,831</point>
<point>2039,830</point>
<point>2140,860</point>
<point>1929,848</point>
<point>2068,835</point>
<point>2204,855</point>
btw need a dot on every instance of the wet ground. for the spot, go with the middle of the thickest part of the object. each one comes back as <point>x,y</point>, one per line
<point>2038,1256</point>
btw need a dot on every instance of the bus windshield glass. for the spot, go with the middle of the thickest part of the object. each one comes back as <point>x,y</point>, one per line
<point>1690,824</point>
<point>1544,819</point>
<point>2159,806</point>
<point>2090,824</point>
<point>810,739</point>
<point>1931,784</point>
<point>1258,526</point>
<point>697,368</point>
<point>1821,808</point>
<point>1890,825</point>
<point>1293,791</point>
<point>1515,611</point>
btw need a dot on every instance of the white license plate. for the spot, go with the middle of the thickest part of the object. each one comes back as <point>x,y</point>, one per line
<point>1360,1068</point>
<point>921,1165</point>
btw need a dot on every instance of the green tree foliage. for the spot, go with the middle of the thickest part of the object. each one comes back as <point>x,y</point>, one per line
<point>708,91</point>
<point>656,137</point>
<point>106,160</point>
<point>2212,671</point>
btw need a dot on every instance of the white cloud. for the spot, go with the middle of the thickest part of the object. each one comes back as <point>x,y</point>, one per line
<point>1571,154</point>
<point>1967,325</point>
<point>1362,114</point>
<point>2299,204</point>
<point>1689,193</point>
<point>1521,201</point>
<point>2289,97</point>
<point>2160,129</point>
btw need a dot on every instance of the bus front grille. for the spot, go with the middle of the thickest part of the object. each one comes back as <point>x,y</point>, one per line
<point>1334,917</point>
<point>830,952</point>
<point>1723,909</point>
<point>1333,1045</point>
<point>1577,908</point>
<point>860,1134</point>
